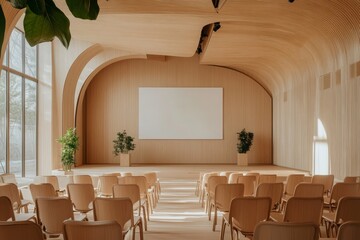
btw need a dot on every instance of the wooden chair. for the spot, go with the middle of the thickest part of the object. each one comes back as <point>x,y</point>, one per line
<point>326,180</point>
<point>306,190</point>
<point>12,192</point>
<point>42,190</point>
<point>121,210</point>
<point>198,184</point>
<point>82,179</point>
<point>106,183</point>
<point>145,195</point>
<point>221,201</point>
<point>204,182</point>
<point>132,191</point>
<point>52,212</point>
<point>105,230</point>
<point>81,195</point>
<point>349,231</point>
<point>53,180</point>
<point>286,231</point>
<point>267,178</point>
<point>351,179</point>
<point>245,213</point>
<point>7,212</point>
<point>20,230</point>
<point>226,174</point>
<point>233,177</point>
<point>291,182</point>
<point>341,190</point>
<point>153,185</point>
<point>249,184</point>
<point>213,181</point>
<point>125,174</point>
<point>301,210</point>
<point>348,210</point>
<point>272,190</point>
<point>256,174</point>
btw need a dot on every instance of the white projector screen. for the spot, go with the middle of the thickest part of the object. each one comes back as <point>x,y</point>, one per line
<point>180,113</point>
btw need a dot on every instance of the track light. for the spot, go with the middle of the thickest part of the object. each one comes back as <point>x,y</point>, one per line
<point>217,26</point>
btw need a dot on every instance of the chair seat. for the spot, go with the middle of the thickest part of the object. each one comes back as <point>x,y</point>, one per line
<point>277,216</point>
<point>25,217</point>
<point>329,216</point>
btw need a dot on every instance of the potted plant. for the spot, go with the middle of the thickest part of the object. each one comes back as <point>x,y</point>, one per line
<point>245,141</point>
<point>70,143</point>
<point>122,145</point>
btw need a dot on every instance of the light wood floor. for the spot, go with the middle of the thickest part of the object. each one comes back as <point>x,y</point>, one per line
<point>179,214</point>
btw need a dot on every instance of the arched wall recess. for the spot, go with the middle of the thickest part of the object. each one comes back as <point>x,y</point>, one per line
<point>70,83</point>
<point>99,62</point>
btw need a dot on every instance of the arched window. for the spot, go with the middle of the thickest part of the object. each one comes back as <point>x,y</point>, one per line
<point>321,152</point>
<point>18,107</point>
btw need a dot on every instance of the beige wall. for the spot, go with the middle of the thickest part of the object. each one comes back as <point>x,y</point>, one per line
<point>112,105</point>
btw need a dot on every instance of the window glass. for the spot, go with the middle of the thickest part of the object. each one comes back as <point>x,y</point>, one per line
<point>30,128</point>
<point>15,50</point>
<point>3,122</point>
<point>15,125</point>
<point>30,60</point>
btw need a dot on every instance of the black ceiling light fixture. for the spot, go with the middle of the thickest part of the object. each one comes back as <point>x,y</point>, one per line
<point>217,26</point>
<point>291,1</point>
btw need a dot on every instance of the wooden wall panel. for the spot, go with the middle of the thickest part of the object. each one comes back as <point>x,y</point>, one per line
<point>112,105</point>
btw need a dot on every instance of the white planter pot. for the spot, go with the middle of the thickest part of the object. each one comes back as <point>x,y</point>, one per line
<point>124,160</point>
<point>242,159</point>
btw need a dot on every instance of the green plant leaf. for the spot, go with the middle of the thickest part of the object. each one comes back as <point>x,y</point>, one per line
<point>85,9</point>
<point>37,6</point>
<point>2,27</point>
<point>43,28</point>
<point>19,4</point>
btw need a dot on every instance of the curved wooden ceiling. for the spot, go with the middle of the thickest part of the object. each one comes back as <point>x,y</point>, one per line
<point>273,41</point>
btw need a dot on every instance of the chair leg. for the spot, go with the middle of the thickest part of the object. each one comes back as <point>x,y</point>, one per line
<point>145,219</point>
<point>141,230</point>
<point>215,218</point>
<point>133,233</point>
<point>209,211</point>
<point>222,231</point>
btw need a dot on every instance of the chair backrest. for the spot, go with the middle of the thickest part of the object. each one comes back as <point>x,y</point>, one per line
<point>341,190</point>
<point>286,231</point>
<point>225,193</point>
<point>249,184</point>
<point>8,178</point>
<point>124,174</point>
<point>53,180</point>
<point>247,212</point>
<point>351,179</point>
<point>138,180</point>
<point>42,190</point>
<point>118,209</point>
<point>213,181</point>
<point>12,192</point>
<point>309,190</point>
<point>304,210</point>
<point>20,230</point>
<point>267,178</point>
<point>131,191</point>
<point>151,178</point>
<point>349,231</point>
<point>326,180</point>
<point>106,182</point>
<point>272,190</point>
<point>256,174</point>
<point>82,179</point>
<point>6,209</point>
<point>348,210</point>
<point>80,230</point>
<point>116,174</point>
<point>52,212</point>
<point>291,182</point>
<point>206,176</point>
<point>81,195</point>
<point>233,177</point>
<point>226,174</point>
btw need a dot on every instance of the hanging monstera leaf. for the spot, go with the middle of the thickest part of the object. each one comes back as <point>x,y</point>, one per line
<point>44,20</point>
